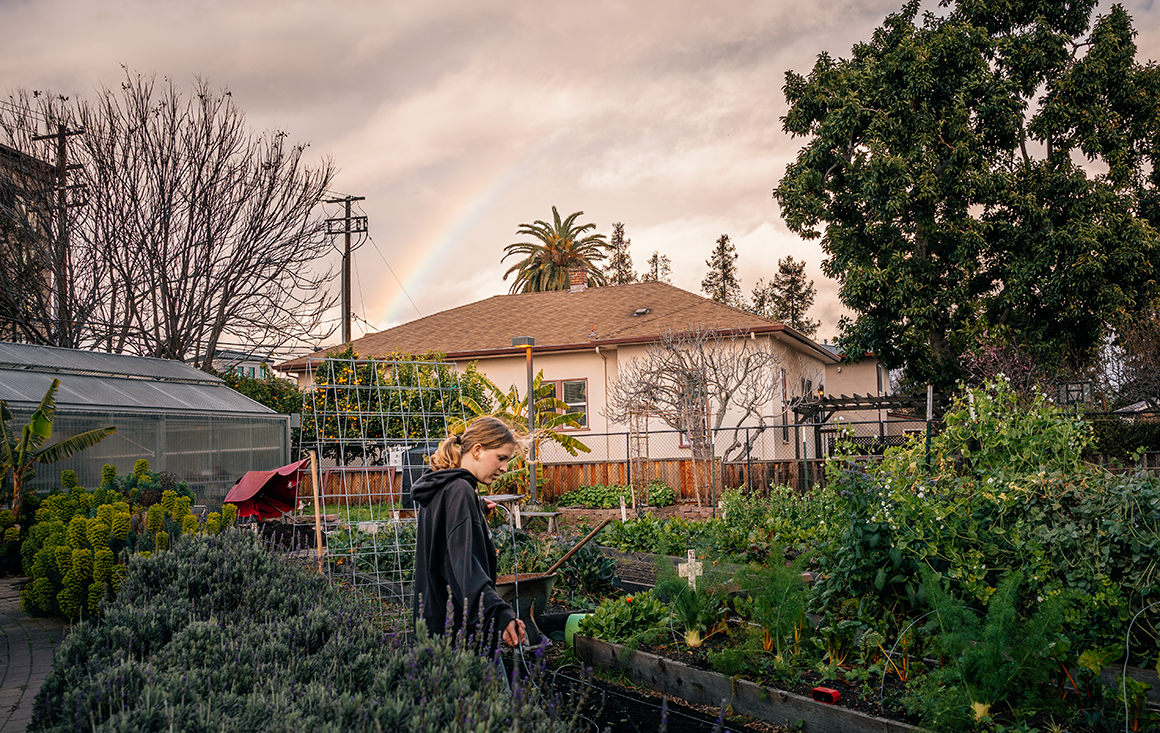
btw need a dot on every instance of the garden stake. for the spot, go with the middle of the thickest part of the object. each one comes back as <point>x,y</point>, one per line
<point>317,508</point>
<point>579,544</point>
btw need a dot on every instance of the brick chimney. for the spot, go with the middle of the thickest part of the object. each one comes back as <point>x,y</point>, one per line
<point>578,279</point>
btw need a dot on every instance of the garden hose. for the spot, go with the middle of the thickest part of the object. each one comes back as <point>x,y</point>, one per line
<point>1127,654</point>
<point>519,647</point>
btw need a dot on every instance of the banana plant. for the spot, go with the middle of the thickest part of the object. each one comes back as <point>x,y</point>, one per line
<point>18,456</point>
<point>551,415</point>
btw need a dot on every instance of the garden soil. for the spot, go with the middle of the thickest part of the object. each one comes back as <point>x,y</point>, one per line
<point>622,709</point>
<point>573,516</point>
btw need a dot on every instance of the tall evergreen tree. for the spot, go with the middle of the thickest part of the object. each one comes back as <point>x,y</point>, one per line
<point>660,269</point>
<point>619,270</point>
<point>721,283</point>
<point>787,297</point>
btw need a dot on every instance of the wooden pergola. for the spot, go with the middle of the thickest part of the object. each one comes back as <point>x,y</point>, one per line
<point>821,409</point>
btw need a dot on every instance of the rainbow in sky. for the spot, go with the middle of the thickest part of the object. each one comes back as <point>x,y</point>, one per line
<point>464,220</point>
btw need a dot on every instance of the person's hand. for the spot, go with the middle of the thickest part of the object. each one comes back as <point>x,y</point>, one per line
<point>489,504</point>
<point>515,632</point>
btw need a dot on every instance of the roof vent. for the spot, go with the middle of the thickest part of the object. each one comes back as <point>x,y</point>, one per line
<point>640,312</point>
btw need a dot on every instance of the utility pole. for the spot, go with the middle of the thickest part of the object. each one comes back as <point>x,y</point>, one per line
<point>349,225</point>
<point>60,275</point>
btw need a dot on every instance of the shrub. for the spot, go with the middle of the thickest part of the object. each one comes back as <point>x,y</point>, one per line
<point>597,496</point>
<point>1120,439</point>
<point>221,635</point>
<point>1005,490</point>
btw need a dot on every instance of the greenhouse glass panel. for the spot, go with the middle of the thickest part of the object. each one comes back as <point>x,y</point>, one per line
<point>210,452</point>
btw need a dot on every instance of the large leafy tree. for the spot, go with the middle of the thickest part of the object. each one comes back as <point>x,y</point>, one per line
<point>787,297</point>
<point>993,164</point>
<point>721,282</point>
<point>559,247</point>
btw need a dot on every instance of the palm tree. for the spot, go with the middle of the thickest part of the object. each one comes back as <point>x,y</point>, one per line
<point>551,415</point>
<point>561,246</point>
<point>18,455</point>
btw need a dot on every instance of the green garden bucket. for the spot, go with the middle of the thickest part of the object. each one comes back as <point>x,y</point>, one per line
<point>572,626</point>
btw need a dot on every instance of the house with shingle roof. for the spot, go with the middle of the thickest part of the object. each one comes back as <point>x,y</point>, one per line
<point>582,337</point>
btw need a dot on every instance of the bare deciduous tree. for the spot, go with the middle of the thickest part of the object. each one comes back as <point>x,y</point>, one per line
<point>1131,364</point>
<point>696,380</point>
<point>195,230</point>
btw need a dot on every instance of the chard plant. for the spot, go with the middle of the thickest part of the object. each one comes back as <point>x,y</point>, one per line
<point>776,603</point>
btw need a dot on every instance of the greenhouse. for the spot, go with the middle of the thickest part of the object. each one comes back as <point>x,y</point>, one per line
<point>184,421</point>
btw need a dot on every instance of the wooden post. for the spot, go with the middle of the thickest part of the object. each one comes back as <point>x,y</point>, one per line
<point>317,507</point>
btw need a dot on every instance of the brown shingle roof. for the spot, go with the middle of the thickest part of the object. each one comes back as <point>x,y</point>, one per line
<point>560,321</point>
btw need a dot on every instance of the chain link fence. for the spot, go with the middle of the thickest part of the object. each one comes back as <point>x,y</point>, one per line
<point>703,466</point>
<point>790,454</point>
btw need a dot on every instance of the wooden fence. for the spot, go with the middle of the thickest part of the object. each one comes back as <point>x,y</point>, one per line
<point>679,475</point>
<point>354,486</point>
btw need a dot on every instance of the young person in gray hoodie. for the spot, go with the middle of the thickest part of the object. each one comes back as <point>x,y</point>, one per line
<point>454,555</point>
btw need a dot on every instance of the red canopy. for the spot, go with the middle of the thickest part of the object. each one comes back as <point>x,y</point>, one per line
<point>267,494</point>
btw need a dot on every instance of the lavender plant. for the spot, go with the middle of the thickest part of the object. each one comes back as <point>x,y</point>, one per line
<point>220,634</point>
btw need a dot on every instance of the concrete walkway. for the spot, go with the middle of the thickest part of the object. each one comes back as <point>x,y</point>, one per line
<point>26,650</point>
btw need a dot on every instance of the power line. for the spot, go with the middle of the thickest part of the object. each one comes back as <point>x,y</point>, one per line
<point>362,301</point>
<point>400,282</point>
<point>375,244</point>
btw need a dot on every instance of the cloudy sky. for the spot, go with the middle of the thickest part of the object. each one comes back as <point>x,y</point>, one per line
<point>460,119</point>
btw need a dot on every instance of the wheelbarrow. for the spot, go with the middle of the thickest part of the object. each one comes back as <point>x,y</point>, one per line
<point>534,589</point>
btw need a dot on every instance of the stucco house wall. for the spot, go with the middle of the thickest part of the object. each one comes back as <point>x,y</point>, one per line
<point>591,335</point>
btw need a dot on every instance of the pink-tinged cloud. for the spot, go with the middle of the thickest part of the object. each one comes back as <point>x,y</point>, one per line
<point>459,120</point>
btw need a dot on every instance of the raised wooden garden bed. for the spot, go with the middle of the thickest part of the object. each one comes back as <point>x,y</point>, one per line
<point>703,687</point>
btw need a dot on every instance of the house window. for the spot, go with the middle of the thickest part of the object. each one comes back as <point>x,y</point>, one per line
<point>574,393</point>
